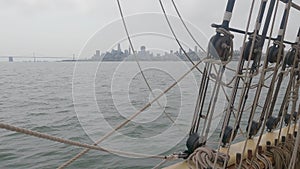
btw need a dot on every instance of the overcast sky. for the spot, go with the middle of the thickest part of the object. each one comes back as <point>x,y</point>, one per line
<point>62,27</point>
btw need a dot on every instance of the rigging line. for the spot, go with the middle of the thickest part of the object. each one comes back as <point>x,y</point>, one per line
<point>261,84</point>
<point>227,98</point>
<point>251,87</point>
<point>280,38</point>
<point>73,143</point>
<point>294,5</point>
<point>138,63</point>
<point>134,115</point>
<point>263,36</point>
<point>278,59</point>
<point>199,107</point>
<point>175,36</point>
<point>294,155</point>
<point>232,96</point>
<point>187,29</point>
<point>281,35</point>
<point>225,59</point>
<point>152,33</point>
<point>256,60</point>
<point>285,101</point>
<point>297,115</point>
<point>189,32</point>
<point>280,80</point>
<point>292,78</point>
<point>208,111</point>
<point>204,91</point>
<point>204,73</point>
<point>238,72</point>
<point>213,100</point>
<point>200,100</point>
<point>248,79</point>
<point>275,94</point>
<point>298,87</point>
<point>235,116</point>
<point>268,95</point>
<point>295,100</point>
<point>158,166</point>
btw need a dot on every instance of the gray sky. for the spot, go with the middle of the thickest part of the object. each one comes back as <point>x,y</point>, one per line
<point>62,27</point>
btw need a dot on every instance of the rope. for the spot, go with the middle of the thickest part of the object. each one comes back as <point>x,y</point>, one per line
<point>295,150</point>
<point>168,158</point>
<point>265,160</point>
<point>204,157</point>
<point>280,76</point>
<point>296,86</point>
<point>217,85</point>
<point>264,120</point>
<point>250,120</point>
<point>138,63</point>
<point>203,88</point>
<point>185,26</point>
<point>137,113</point>
<point>212,102</point>
<point>245,91</point>
<point>159,164</point>
<point>256,164</point>
<point>288,6</point>
<point>230,105</point>
<point>280,155</point>
<point>175,37</point>
<point>131,117</point>
<point>74,143</point>
<point>269,162</point>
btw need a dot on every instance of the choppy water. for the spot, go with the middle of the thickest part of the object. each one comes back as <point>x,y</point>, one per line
<point>46,97</point>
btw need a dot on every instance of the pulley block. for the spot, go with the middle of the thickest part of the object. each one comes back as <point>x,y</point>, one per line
<point>227,135</point>
<point>272,123</point>
<point>274,53</point>
<point>194,141</point>
<point>254,128</point>
<point>221,45</point>
<point>256,53</point>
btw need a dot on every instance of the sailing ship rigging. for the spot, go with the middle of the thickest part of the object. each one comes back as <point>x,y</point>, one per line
<point>278,147</point>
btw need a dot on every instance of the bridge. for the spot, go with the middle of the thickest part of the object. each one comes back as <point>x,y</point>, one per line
<point>11,57</point>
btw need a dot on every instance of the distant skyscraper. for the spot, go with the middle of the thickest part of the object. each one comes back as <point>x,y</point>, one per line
<point>119,47</point>
<point>143,48</point>
<point>129,50</point>
<point>97,52</point>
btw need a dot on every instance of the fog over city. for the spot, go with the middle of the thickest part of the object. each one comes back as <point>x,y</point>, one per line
<point>63,27</point>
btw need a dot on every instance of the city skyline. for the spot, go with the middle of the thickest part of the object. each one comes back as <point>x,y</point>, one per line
<point>62,28</point>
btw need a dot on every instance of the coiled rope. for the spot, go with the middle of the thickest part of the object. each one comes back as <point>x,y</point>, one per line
<point>204,157</point>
